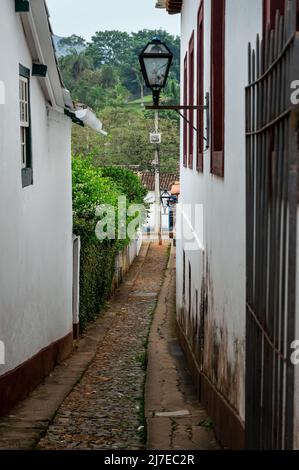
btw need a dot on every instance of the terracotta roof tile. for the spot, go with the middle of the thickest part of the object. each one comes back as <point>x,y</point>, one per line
<point>174,6</point>
<point>166,180</point>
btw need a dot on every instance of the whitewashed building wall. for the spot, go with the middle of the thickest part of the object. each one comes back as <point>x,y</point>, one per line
<point>217,265</point>
<point>36,221</point>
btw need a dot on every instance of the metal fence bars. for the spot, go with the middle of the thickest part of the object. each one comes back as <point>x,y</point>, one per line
<point>271,187</point>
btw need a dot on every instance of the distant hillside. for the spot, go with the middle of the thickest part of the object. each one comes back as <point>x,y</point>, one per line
<point>106,71</point>
<point>63,50</point>
<point>105,75</point>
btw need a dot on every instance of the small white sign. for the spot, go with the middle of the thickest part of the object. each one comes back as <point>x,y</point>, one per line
<point>2,92</point>
<point>2,353</point>
<point>155,138</point>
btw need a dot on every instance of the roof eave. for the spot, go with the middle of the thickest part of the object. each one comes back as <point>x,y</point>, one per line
<point>38,34</point>
<point>172,6</point>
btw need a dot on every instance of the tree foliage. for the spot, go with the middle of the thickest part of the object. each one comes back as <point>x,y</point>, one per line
<point>73,42</point>
<point>116,54</point>
<point>90,189</point>
<point>93,186</point>
<point>128,182</point>
<point>128,141</point>
<point>105,75</point>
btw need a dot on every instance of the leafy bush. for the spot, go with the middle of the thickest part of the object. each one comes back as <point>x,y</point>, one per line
<point>92,187</point>
<point>128,182</point>
<point>96,274</point>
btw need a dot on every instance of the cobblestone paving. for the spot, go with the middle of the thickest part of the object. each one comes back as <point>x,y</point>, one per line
<point>104,411</point>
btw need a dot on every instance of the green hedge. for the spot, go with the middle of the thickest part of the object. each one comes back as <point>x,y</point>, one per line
<point>128,182</point>
<point>93,186</point>
<point>96,274</point>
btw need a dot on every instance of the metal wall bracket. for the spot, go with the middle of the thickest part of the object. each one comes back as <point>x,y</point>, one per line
<point>179,108</point>
<point>39,70</point>
<point>22,6</point>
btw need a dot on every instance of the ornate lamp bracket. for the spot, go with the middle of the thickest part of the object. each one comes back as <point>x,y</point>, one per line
<point>179,108</point>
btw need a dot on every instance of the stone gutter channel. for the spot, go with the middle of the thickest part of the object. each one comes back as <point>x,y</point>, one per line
<point>175,418</point>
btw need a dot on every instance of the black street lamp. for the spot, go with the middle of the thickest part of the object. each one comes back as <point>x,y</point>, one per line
<point>165,199</point>
<point>155,61</point>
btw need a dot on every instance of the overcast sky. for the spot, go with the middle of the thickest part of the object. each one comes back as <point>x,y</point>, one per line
<point>85,17</point>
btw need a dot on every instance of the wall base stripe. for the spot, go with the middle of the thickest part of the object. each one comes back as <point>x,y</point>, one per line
<point>15,385</point>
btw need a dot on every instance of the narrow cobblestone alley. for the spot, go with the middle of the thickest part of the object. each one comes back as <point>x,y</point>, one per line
<point>104,411</point>
<point>95,400</point>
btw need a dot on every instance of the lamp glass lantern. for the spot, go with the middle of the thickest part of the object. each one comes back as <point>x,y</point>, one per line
<point>155,61</point>
<point>165,199</point>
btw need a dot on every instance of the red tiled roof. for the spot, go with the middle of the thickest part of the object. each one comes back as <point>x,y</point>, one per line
<point>176,189</point>
<point>174,6</point>
<point>166,180</point>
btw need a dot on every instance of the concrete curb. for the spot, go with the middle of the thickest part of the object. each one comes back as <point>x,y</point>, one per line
<point>175,418</point>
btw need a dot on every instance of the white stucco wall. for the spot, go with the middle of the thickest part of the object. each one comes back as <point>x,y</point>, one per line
<point>36,228</point>
<point>192,183</point>
<point>220,266</point>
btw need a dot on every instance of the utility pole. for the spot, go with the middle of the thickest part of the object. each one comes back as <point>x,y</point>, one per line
<point>157,184</point>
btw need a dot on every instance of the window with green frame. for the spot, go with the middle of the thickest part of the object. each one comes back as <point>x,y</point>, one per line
<point>25,126</point>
